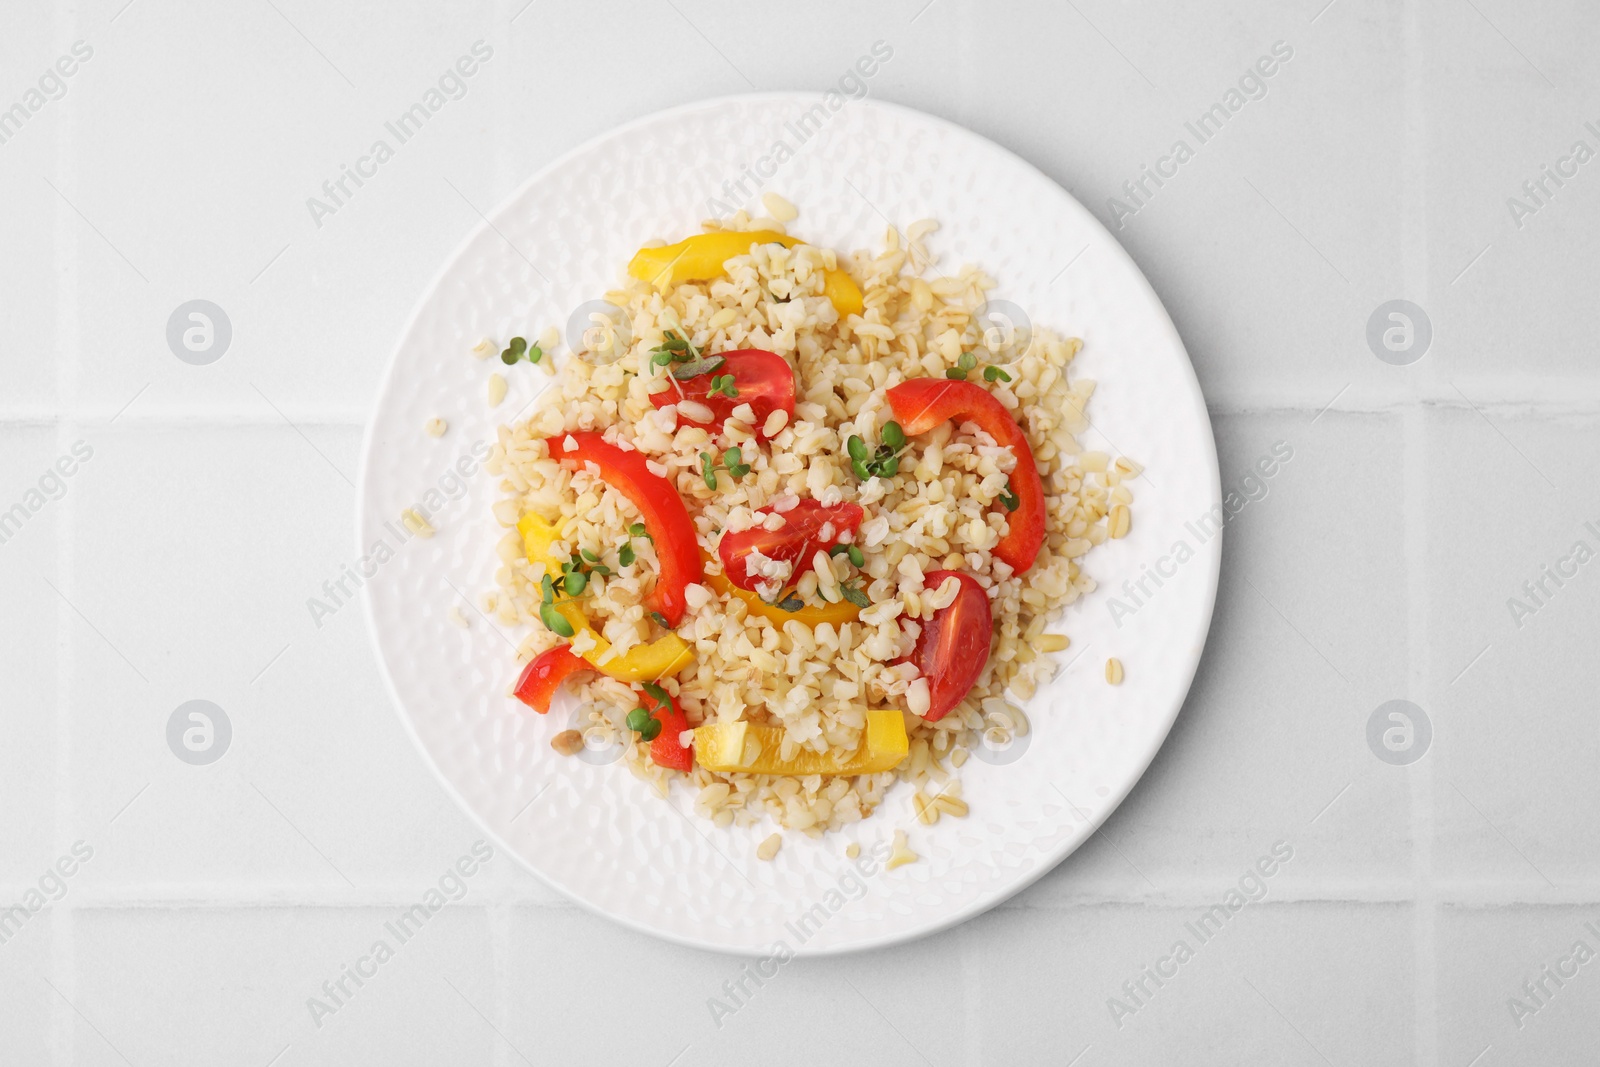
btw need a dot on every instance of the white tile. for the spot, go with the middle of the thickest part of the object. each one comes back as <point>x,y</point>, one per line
<point>36,1017</point>
<point>197,548</point>
<point>204,986</point>
<point>1485,955</point>
<point>1513,727</point>
<point>34,497</point>
<point>1071,967</point>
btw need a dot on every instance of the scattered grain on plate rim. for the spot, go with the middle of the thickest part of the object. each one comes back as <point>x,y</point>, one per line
<point>567,742</point>
<point>435,427</point>
<point>453,614</point>
<point>1114,671</point>
<point>769,848</point>
<point>496,390</point>
<point>900,853</point>
<point>941,511</point>
<point>416,523</point>
<point>779,208</point>
<point>483,348</point>
<point>852,850</point>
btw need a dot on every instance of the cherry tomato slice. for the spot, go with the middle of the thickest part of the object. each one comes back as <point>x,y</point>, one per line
<point>762,379</point>
<point>954,644</point>
<point>797,540</point>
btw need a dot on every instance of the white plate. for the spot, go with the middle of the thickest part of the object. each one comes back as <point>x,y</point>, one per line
<point>594,831</point>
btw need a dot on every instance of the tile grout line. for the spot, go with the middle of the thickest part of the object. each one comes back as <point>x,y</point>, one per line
<point>1414,251</point>
<point>1420,773</point>
<point>63,1026</point>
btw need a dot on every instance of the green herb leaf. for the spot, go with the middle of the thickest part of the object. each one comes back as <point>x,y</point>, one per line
<point>660,358</point>
<point>857,557</point>
<point>967,362</point>
<point>554,621</point>
<point>547,587</point>
<point>707,472</point>
<point>575,583</point>
<point>657,692</point>
<point>893,436</point>
<point>638,719</point>
<point>661,620</point>
<point>956,375</point>
<point>889,467</point>
<point>638,530</point>
<point>992,374</point>
<point>791,603</point>
<point>733,457</point>
<point>625,555</point>
<point>1009,498</point>
<point>854,595</point>
<point>861,469</point>
<point>600,568</point>
<point>590,556</point>
<point>857,448</point>
<point>696,367</point>
<point>651,731</point>
<point>838,550</point>
<point>535,354</point>
<point>514,351</point>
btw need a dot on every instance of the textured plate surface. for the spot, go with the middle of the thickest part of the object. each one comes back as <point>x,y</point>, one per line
<point>590,828</point>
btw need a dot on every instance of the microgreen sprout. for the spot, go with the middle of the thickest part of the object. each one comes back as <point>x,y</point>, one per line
<point>519,349</point>
<point>732,461</point>
<point>882,462</point>
<point>674,348</point>
<point>963,367</point>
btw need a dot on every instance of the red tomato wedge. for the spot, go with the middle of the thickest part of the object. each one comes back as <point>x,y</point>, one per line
<point>666,750</point>
<point>954,644</point>
<point>658,503</point>
<point>796,541</point>
<point>544,674</point>
<point>762,379</point>
<point>923,403</point>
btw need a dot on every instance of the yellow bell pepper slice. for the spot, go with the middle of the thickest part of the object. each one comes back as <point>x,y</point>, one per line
<point>703,256</point>
<point>642,663</point>
<point>810,615</point>
<point>746,748</point>
<point>843,291</point>
<point>537,537</point>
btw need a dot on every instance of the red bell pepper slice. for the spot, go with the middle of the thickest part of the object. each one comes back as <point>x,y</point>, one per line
<point>763,380</point>
<point>544,674</point>
<point>797,540</point>
<point>658,503</point>
<point>923,403</point>
<point>666,751</point>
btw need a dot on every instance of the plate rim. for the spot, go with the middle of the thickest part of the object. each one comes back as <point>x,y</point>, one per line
<point>1213,554</point>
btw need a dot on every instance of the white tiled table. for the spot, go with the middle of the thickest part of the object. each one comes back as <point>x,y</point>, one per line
<point>177,560</point>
